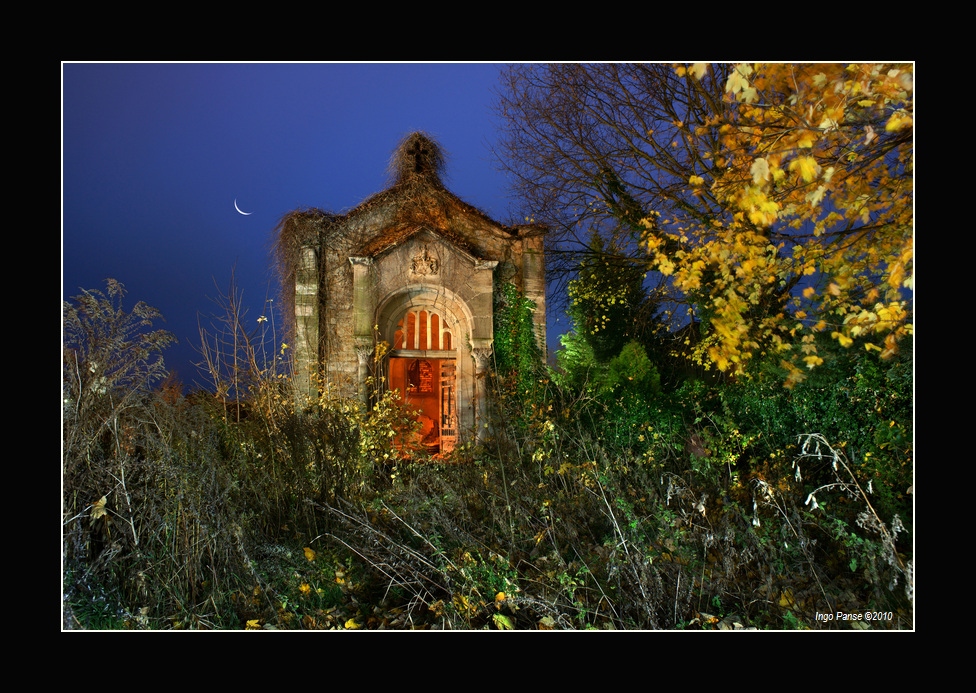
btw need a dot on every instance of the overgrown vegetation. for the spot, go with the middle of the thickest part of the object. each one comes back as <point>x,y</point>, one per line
<point>660,476</point>
<point>604,503</point>
<point>772,202</point>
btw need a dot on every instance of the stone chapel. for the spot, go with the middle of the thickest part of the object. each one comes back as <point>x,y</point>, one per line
<point>400,291</point>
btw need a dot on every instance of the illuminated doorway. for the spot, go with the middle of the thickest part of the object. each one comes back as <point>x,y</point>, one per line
<point>423,368</point>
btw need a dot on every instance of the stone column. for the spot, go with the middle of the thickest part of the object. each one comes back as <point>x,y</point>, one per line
<point>363,311</point>
<point>362,297</point>
<point>534,281</point>
<point>364,352</point>
<point>305,367</point>
<point>482,363</point>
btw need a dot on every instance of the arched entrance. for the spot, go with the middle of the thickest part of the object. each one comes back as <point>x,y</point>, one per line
<point>427,364</point>
<point>423,368</point>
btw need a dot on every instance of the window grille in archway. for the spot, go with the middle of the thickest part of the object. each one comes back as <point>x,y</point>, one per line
<point>422,330</point>
<point>423,368</point>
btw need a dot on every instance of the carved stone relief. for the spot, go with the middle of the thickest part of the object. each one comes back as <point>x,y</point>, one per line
<point>425,263</point>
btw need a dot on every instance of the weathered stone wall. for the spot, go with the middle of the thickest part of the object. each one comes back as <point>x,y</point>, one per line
<point>414,246</point>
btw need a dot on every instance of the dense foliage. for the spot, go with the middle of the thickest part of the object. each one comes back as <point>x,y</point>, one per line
<point>659,476</point>
<point>774,202</point>
<point>600,500</point>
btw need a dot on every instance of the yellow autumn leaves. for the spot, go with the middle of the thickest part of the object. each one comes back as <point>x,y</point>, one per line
<point>806,167</point>
<point>899,121</point>
<point>816,183</point>
<point>732,273</point>
<point>757,205</point>
<point>98,509</point>
<point>697,70</point>
<point>738,83</point>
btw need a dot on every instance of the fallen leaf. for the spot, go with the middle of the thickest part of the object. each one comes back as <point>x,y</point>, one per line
<point>98,509</point>
<point>503,622</point>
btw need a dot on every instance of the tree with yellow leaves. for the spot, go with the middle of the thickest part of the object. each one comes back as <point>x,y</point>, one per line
<point>774,200</point>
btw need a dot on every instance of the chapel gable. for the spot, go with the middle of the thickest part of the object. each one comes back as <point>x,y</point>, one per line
<point>413,268</point>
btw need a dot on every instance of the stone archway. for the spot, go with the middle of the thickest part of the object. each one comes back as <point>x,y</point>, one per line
<point>430,362</point>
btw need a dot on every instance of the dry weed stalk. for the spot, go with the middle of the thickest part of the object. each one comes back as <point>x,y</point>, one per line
<point>816,447</point>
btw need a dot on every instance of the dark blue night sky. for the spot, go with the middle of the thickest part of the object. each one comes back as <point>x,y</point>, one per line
<point>154,156</point>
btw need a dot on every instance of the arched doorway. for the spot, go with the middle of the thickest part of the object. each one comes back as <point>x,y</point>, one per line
<point>433,324</point>
<point>423,368</point>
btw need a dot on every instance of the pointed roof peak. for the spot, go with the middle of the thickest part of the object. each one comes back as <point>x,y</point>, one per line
<point>417,156</point>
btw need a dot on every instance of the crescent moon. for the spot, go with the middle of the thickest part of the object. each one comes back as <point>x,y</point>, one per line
<point>247,214</point>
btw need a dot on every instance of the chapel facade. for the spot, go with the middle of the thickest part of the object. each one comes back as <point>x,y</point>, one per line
<point>399,293</point>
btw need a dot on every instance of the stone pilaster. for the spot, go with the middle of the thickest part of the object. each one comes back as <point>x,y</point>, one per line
<point>534,283</point>
<point>305,367</point>
<point>364,354</point>
<point>482,363</point>
<point>362,297</point>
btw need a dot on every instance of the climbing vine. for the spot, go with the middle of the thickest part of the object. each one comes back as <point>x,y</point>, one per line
<point>518,358</point>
